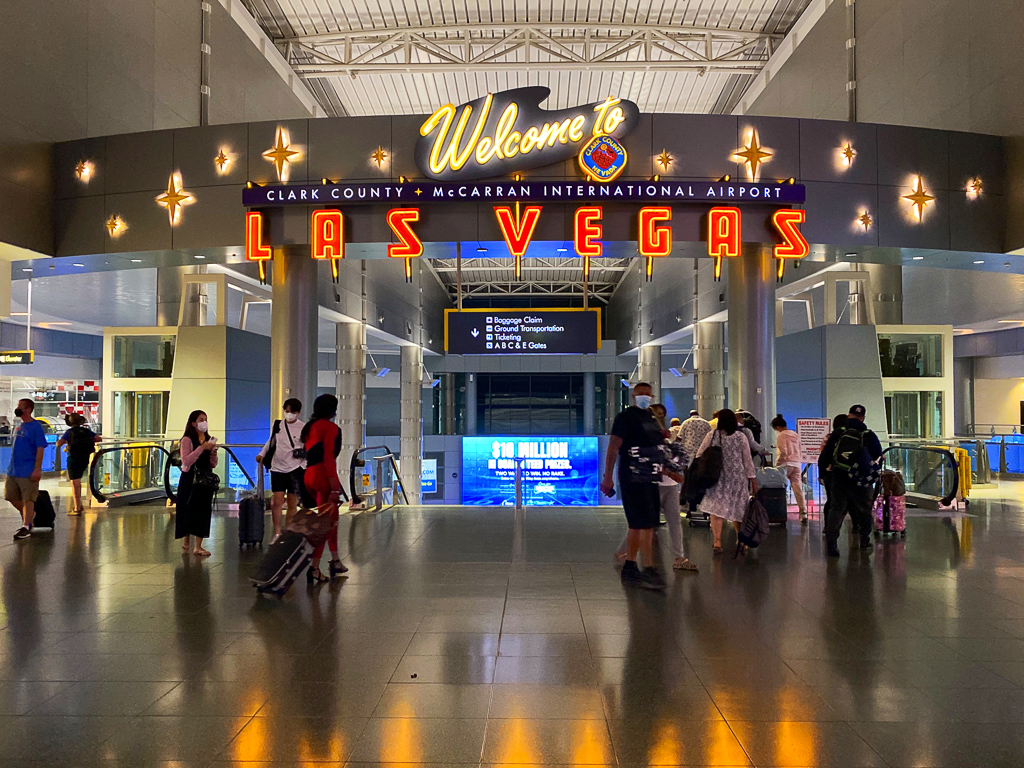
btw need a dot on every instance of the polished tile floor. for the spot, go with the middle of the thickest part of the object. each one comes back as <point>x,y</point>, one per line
<point>471,637</point>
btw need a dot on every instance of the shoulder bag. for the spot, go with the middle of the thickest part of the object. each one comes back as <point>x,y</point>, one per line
<point>708,466</point>
<point>269,458</point>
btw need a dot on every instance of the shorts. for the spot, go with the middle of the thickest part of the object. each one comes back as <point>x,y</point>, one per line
<point>642,504</point>
<point>77,467</point>
<point>286,482</point>
<point>21,489</point>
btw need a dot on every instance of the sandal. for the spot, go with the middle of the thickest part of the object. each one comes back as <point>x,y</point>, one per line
<point>683,564</point>
<point>717,549</point>
<point>314,576</point>
<point>201,552</point>
<point>336,568</point>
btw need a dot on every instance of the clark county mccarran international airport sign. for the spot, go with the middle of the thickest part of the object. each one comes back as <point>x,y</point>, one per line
<point>502,133</point>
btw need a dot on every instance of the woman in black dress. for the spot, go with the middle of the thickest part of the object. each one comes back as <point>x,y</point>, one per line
<point>195,500</point>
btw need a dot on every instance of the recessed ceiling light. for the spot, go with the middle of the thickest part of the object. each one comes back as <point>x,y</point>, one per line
<point>980,261</point>
<point>26,269</point>
<point>199,256</point>
<point>76,264</point>
<point>919,258</point>
<point>561,250</point>
<point>481,249</point>
<point>136,261</point>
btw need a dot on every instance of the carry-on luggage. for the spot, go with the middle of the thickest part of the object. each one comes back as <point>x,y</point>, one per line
<point>754,528</point>
<point>890,515</point>
<point>774,502</point>
<point>252,510</point>
<point>287,558</point>
<point>46,516</point>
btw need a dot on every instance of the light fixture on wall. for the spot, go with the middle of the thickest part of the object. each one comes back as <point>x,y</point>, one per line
<point>752,154</point>
<point>84,170</point>
<point>676,372</point>
<point>222,161</point>
<point>282,154</point>
<point>865,220</point>
<point>379,156</point>
<point>919,198</point>
<point>974,188</point>
<point>664,160</point>
<point>846,154</point>
<point>175,198</point>
<point>116,226</point>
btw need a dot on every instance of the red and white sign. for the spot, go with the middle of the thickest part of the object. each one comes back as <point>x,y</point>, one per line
<point>813,434</point>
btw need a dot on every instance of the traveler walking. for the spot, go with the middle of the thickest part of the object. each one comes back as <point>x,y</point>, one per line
<point>25,467</point>
<point>788,443</point>
<point>321,438</point>
<point>750,427</point>
<point>81,442</point>
<point>668,491</point>
<point>854,452</point>
<point>729,497</point>
<point>691,434</point>
<point>197,486</point>
<point>284,455</point>
<point>635,441</point>
<point>825,472</point>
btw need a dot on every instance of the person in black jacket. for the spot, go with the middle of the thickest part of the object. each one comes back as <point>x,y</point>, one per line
<point>849,491</point>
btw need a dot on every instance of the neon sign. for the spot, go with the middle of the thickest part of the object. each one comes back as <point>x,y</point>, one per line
<point>505,132</point>
<point>518,231</point>
<point>653,240</point>
<point>327,236</point>
<point>409,246</point>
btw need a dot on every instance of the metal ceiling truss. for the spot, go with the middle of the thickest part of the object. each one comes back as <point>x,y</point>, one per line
<point>535,46</point>
<point>601,291</point>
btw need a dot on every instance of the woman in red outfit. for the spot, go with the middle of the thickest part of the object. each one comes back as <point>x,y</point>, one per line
<point>321,438</point>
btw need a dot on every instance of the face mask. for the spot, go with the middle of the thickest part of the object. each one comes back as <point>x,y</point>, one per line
<point>289,417</point>
<point>17,412</point>
<point>202,426</point>
<point>643,401</point>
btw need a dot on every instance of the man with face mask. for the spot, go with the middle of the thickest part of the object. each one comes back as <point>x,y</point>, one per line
<point>283,456</point>
<point>26,467</point>
<point>633,430</point>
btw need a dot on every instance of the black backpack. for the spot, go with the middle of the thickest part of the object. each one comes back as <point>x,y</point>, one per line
<point>751,423</point>
<point>850,455</point>
<point>81,442</point>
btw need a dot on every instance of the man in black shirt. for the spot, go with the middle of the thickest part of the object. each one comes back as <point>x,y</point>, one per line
<point>633,430</point>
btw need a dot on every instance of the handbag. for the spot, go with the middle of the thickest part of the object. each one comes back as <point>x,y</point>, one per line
<point>297,453</point>
<point>206,478</point>
<point>314,523</point>
<point>754,528</point>
<point>707,467</point>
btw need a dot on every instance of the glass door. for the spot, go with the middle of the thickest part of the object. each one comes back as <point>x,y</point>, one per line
<point>140,414</point>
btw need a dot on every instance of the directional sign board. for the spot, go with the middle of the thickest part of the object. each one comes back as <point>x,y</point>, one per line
<point>519,331</point>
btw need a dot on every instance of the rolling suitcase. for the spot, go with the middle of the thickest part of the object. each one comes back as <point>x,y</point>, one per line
<point>287,557</point>
<point>774,502</point>
<point>252,510</point>
<point>45,517</point>
<point>890,515</point>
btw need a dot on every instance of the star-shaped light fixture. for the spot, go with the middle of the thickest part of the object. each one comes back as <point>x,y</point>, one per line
<point>865,220</point>
<point>116,226</point>
<point>222,161</point>
<point>974,188</point>
<point>753,155</point>
<point>281,154</point>
<point>847,152</point>
<point>83,171</point>
<point>665,159</point>
<point>379,156</point>
<point>919,199</point>
<point>174,198</point>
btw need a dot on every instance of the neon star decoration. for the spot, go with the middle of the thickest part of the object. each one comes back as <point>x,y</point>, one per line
<point>116,226</point>
<point>83,171</point>
<point>175,198</point>
<point>754,155</point>
<point>847,152</point>
<point>974,189</point>
<point>865,220</point>
<point>222,161</point>
<point>919,199</point>
<point>379,156</point>
<point>281,154</point>
<point>665,159</point>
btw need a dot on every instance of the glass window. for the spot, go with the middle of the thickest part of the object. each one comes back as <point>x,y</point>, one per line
<point>914,414</point>
<point>140,414</point>
<point>138,357</point>
<point>910,355</point>
<point>530,404</point>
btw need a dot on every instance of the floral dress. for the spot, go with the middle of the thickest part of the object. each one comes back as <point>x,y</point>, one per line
<point>728,498</point>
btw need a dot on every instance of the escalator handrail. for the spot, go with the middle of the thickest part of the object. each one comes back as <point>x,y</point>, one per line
<point>94,463</point>
<point>947,454</point>
<point>352,470</point>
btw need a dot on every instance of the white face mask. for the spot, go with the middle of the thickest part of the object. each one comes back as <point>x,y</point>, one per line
<point>644,401</point>
<point>291,417</point>
<point>202,426</point>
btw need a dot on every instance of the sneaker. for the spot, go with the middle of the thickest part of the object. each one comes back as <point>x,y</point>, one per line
<point>630,573</point>
<point>22,533</point>
<point>652,579</point>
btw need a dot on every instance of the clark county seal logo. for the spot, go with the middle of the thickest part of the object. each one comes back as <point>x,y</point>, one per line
<point>603,158</point>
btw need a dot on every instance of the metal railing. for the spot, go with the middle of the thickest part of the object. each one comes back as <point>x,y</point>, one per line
<point>385,477</point>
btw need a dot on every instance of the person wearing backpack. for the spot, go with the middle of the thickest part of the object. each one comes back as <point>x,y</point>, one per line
<point>729,497</point>
<point>854,452</point>
<point>284,456</point>
<point>81,442</point>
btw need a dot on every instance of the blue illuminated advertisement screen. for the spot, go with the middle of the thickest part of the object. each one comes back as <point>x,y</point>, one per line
<point>557,471</point>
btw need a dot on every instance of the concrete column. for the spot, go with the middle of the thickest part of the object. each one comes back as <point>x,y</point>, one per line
<point>886,292</point>
<point>709,368</point>
<point>470,403</point>
<point>589,401</point>
<point>963,396</point>
<point>293,328</point>
<point>752,333</point>
<point>611,400</point>
<point>649,368</point>
<point>350,389</point>
<point>448,393</point>
<point>411,444</point>
<point>169,292</point>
